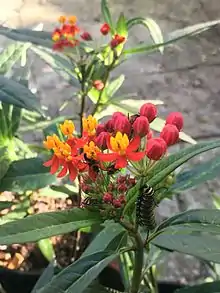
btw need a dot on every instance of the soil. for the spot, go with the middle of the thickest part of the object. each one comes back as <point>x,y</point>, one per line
<point>28,257</point>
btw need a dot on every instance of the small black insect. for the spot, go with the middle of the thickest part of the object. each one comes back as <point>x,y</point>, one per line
<point>145,207</point>
<point>92,163</point>
<point>90,201</point>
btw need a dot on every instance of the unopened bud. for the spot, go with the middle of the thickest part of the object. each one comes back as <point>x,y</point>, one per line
<point>149,110</point>
<point>170,134</point>
<point>156,148</point>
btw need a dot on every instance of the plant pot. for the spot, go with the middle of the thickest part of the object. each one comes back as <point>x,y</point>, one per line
<point>23,282</point>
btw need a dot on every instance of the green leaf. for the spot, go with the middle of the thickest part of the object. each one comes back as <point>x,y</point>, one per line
<point>197,175</point>
<point>11,55</point>
<point>79,275</point>
<point>12,92</point>
<point>60,65</point>
<point>15,119</point>
<point>19,212</point>
<point>173,37</point>
<point>5,205</point>
<point>44,225</point>
<point>159,123</point>
<point>102,241</point>
<point>4,162</point>
<point>213,287</point>
<point>115,85</point>
<point>106,15</point>
<point>193,29</point>
<point>202,246</point>
<point>166,166</point>
<point>199,216</point>
<point>46,248</point>
<point>26,174</point>
<point>45,278</point>
<point>40,38</point>
<point>37,126</point>
<point>121,26</point>
<point>152,26</point>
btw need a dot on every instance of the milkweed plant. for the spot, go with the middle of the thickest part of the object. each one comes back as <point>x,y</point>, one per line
<point>124,169</point>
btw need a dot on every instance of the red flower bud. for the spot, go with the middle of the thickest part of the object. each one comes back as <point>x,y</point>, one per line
<point>117,40</point>
<point>156,148</point>
<point>132,181</point>
<point>122,187</point>
<point>116,203</point>
<point>170,134</point>
<point>105,28</point>
<point>107,197</point>
<point>100,128</point>
<point>122,124</point>
<point>111,187</point>
<point>175,118</point>
<point>109,126</point>
<point>122,199</point>
<point>86,36</point>
<point>101,140</point>
<point>141,126</point>
<point>150,135</point>
<point>121,179</point>
<point>98,84</point>
<point>149,110</point>
<point>117,114</point>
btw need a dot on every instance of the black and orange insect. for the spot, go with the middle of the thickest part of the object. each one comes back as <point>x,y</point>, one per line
<point>145,208</point>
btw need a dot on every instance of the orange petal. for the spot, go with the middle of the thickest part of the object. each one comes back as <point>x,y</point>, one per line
<point>135,156</point>
<point>121,162</point>
<point>55,165</point>
<point>48,163</point>
<point>107,157</point>
<point>134,144</point>
<point>72,171</point>
<point>63,172</point>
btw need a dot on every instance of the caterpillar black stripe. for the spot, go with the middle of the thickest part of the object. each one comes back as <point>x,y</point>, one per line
<point>145,207</point>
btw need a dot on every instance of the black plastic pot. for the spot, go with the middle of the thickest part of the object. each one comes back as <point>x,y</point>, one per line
<point>15,281</point>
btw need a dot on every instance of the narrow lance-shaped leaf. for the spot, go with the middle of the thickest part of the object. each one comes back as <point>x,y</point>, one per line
<point>152,26</point>
<point>40,38</point>
<point>173,37</point>
<point>44,225</point>
<point>201,216</point>
<point>104,238</point>
<point>79,275</point>
<point>197,175</point>
<point>11,55</point>
<point>201,246</point>
<point>164,167</point>
<point>213,287</point>
<point>12,92</point>
<point>107,15</point>
<point>26,174</point>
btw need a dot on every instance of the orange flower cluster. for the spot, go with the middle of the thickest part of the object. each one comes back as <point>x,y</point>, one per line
<point>65,35</point>
<point>112,145</point>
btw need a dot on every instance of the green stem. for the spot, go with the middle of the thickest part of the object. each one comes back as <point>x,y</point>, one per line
<point>138,257</point>
<point>138,265</point>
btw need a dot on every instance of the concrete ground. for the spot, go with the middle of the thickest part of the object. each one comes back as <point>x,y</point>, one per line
<point>186,77</point>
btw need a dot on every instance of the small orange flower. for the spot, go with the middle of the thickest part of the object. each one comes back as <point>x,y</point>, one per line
<point>67,128</point>
<point>72,19</point>
<point>52,142</point>
<point>91,150</point>
<point>62,19</point>
<point>123,150</point>
<point>89,125</point>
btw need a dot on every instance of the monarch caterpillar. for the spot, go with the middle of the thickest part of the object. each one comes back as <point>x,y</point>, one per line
<point>89,201</point>
<point>145,207</point>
